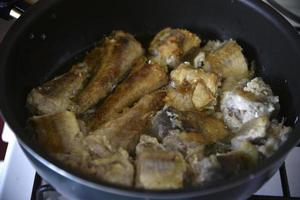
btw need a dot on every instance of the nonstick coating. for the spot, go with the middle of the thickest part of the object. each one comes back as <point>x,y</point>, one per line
<point>53,33</point>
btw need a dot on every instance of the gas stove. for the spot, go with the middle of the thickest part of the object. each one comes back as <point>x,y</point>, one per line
<point>19,180</point>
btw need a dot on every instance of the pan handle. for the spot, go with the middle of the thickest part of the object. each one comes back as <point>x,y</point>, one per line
<point>12,9</point>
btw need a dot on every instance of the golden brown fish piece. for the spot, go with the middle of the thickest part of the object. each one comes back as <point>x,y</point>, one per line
<point>199,129</point>
<point>181,97</point>
<point>211,128</point>
<point>116,169</point>
<point>186,72</point>
<point>170,45</point>
<point>124,131</point>
<point>55,95</point>
<point>189,143</point>
<point>227,60</point>
<point>60,136</point>
<point>119,52</point>
<point>145,80</point>
<point>192,89</point>
<point>58,133</point>
<point>138,65</point>
<point>158,168</point>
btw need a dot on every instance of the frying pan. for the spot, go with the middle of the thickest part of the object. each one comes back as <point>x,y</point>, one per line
<point>52,34</point>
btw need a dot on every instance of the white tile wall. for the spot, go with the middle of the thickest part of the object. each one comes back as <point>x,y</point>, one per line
<point>293,171</point>
<point>272,187</point>
<point>17,174</point>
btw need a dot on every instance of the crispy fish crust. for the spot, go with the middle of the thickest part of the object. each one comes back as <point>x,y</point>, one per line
<point>228,60</point>
<point>200,128</point>
<point>58,133</point>
<point>60,136</point>
<point>55,95</point>
<point>170,45</point>
<point>119,52</point>
<point>116,169</point>
<point>211,128</point>
<point>124,131</point>
<point>147,79</point>
<point>193,89</point>
<point>158,168</point>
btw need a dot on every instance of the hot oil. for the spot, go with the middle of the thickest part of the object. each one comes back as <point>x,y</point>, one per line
<point>144,39</point>
<point>66,66</point>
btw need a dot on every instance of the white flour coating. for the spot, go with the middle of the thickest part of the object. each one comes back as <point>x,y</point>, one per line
<point>238,110</point>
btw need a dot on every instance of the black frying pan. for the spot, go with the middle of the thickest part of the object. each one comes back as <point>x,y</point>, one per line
<point>47,38</point>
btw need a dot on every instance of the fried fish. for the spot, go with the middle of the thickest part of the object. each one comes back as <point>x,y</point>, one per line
<point>55,95</point>
<point>170,45</point>
<point>124,131</point>
<point>119,52</point>
<point>145,80</point>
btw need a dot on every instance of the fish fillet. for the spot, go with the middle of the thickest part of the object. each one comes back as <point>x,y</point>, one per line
<point>170,45</point>
<point>116,169</point>
<point>58,133</point>
<point>228,60</point>
<point>124,131</point>
<point>192,88</point>
<point>120,51</point>
<point>55,95</point>
<point>158,168</point>
<point>60,136</point>
<point>145,80</point>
